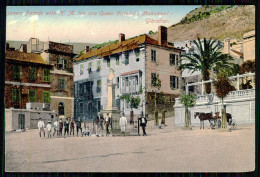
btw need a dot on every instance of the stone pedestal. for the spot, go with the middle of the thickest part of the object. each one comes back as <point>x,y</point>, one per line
<point>111,108</point>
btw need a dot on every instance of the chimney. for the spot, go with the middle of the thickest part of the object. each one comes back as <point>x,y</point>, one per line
<point>121,37</point>
<point>86,49</point>
<point>226,46</point>
<point>25,48</point>
<point>162,31</point>
<point>7,46</point>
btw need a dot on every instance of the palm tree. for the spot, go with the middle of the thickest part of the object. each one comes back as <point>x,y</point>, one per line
<point>208,57</point>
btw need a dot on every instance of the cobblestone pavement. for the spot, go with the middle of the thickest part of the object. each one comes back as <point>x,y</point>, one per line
<point>170,149</point>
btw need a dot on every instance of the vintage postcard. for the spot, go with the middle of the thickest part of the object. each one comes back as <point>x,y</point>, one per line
<point>130,88</point>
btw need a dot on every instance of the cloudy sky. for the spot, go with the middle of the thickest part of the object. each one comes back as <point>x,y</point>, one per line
<point>98,24</point>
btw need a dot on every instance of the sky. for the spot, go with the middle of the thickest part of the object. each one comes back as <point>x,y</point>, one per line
<point>88,24</point>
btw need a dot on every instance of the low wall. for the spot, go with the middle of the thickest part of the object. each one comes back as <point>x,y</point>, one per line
<point>240,104</point>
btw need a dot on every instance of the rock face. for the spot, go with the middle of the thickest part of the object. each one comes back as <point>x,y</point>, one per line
<point>232,23</point>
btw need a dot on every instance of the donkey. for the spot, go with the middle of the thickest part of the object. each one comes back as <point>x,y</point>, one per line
<point>203,116</point>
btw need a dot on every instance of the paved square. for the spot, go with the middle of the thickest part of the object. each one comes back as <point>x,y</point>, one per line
<point>164,150</point>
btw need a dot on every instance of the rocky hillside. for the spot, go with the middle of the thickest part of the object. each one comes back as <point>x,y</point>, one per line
<point>217,22</point>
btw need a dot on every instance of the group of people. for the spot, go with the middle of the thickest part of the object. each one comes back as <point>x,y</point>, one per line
<point>58,126</point>
<point>98,126</point>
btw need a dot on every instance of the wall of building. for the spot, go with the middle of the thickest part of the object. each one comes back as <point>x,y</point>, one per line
<point>163,68</point>
<point>249,45</point>
<point>24,84</point>
<point>240,104</point>
<point>68,105</point>
<point>31,118</point>
<point>103,76</point>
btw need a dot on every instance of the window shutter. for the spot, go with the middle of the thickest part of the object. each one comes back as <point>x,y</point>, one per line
<point>177,81</point>
<point>177,60</point>
<point>13,95</point>
<point>65,63</point>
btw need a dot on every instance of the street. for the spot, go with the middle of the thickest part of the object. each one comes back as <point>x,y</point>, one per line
<point>170,149</point>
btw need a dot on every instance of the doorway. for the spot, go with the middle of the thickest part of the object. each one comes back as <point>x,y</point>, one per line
<point>21,121</point>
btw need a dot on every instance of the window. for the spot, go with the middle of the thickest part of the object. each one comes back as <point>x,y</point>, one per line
<point>172,59</point>
<point>85,88</point>
<point>89,67</point>
<point>153,79</point>
<point>32,96</point>
<point>62,63</point>
<point>108,62</point>
<point>17,72</point>
<point>174,82</point>
<point>32,74</point>
<point>153,59</point>
<point>61,84</point>
<point>46,75</point>
<point>137,55</point>
<point>81,89</point>
<point>98,86</point>
<point>16,96</point>
<point>81,108</point>
<point>117,82</point>
<point>117,60</point>
<point>81,69</point>
<point>126,58</point>
<point>99,105</point>
<point>98,65</point>
<point>46,97</point>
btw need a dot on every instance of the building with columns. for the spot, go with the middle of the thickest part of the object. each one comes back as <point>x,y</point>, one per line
<point>136,62</point>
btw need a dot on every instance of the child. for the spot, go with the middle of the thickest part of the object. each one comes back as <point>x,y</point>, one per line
<point>48,127</point>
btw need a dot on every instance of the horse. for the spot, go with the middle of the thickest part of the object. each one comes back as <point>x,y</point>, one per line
<point>203,116</point>
<point>230,121</point>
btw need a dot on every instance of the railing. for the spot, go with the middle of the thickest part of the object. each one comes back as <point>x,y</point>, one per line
<point>214,98</point>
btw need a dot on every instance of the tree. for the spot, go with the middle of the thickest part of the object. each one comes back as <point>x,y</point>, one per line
<point>223,87</point>
<point>206,58</point>
<point>156,83</point>
<point>134,103</point>
<point>188,101</point>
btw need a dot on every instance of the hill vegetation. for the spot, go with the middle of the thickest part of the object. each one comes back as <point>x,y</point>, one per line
<point>218,22</point>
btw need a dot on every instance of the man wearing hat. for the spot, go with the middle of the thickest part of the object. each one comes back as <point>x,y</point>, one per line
<point>41,127</point>
<point>48,127</point>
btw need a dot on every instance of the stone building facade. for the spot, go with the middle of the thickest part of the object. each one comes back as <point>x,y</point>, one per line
<point>27,79</point>
<point>60,56</point>
<point>135,62</point>
<point>249,45</point>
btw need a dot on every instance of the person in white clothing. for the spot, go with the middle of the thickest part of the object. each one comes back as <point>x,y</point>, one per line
<point>123,122</point>
<point>48,127</point>
<point>41,127</point>
<point>56,128</point>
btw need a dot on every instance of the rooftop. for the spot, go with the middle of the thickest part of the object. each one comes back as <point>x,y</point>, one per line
<point>118,47</point>
<point>26,57</point>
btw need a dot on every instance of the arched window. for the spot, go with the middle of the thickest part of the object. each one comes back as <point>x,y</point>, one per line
<point>61,108</point>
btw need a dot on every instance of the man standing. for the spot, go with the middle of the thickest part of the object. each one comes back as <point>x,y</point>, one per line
<point>107,122</point>
<point>143,123</point>
<point>72,126</point>
<point>79,127</point>
<point>41,127</point>
<point>66,127</point>
<point>61,127</point>
<point>56,128</point>
<point>100,121</point>
<point>123,123</point>
<point>48,127</point>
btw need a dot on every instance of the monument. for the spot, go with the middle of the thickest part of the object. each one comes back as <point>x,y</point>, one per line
<point>111,108</point>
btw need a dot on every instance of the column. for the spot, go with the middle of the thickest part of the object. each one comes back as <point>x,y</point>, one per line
<point>238,82</point>
<point>202,88</point>
<point>186,87</point>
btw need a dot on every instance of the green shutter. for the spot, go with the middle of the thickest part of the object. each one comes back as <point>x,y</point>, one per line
<point>65,63</point>
<point>13,95</point>
<point>46,97</point>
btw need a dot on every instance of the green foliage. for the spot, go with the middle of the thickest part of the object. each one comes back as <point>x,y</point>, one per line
<point>188,100</point>
<point>104,44</point>
<point>203,15</point>
<point>151,32</point>
<point>246,67</point>
<point>133,101</point>
<point>222,86</point>
<point>206,58</point>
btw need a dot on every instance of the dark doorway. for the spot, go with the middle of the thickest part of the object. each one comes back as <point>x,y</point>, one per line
<point>21,121</point>
<point>61,108</point>
<point>90,108</point>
